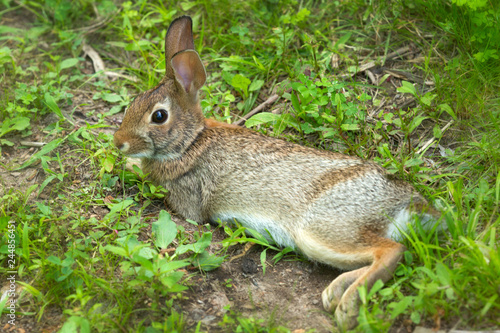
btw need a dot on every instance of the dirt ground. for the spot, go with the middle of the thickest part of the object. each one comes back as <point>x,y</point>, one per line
<point>289,292</point>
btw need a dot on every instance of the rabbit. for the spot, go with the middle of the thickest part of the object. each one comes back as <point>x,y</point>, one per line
<point>335,209</point>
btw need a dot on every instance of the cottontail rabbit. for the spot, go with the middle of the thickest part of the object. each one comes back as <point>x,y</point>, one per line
<point>335,209</point>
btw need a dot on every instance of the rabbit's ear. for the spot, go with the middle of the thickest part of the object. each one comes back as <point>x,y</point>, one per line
<point>179,38</point>
<point>189,71</point>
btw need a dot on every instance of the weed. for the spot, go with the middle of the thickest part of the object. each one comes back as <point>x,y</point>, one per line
<point>234,322</point>
<point>239,236</point>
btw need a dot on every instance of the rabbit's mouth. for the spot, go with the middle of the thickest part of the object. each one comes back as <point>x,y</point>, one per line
<point>140,155</point>
<point>148,153</point>
<point>137,147</point>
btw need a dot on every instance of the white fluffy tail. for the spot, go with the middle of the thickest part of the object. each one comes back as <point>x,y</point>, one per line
<point>400,226</point>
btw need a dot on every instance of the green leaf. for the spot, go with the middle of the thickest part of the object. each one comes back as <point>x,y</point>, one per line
<point>192,222</point>
<point>5,142</point>
<point>203,242</point>
<point>207,261</point>
<point>338,99</point>
<point>43,208</point>
<point>51,103</point>
<point>256,85</point>
<point>282,253</point>
<point>112,98</point>
<point>258,236</point>
<point>307,128</point>
<point>400,307</point>
<point>446,108</point>
<point>197,247</point>
<point>116,208</point>
<point>407,87</point>
<point>108,163</point>
<point>147,252</point>
<point>144,262</point>
<point>415,317</point>
<point>114,110</point>
<point>413,161</point>
<point>488,305</point>
<point>117,250</point>
<point>437,131</point>
<point>76,324</point>
<point>9,30</point>
<point>240,82</point>
<point>3,303</point>
<point>177,288</point>
<point>302,15</point>
<point>227,76</point>
<point>444,274</point>
<point>375,288</point>
<point>388,117</point>
<point>427,99</point>
<point>229,97</point>
<point>26,249</point>
<point>45,150</point>
<point>164,230</point>
<point>262,118</point>
<point>258,63</point>
<point>342,40</point>
<point>172,265</point>
<point>171,279</point>
<point>350,127</point>
<point>263,261</point>
<point>186,5</point>
<point>3,221</point>
<point>14,124</point>
<point>296,104</point>
<point>54,260</point>
<point>67,63</point>
<point>415,123</point>
<point>20,123</point>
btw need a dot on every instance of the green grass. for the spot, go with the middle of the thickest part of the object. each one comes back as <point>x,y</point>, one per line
<point>79,231</point>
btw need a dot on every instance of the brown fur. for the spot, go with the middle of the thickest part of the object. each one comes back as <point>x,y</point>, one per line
<point>210,123</point>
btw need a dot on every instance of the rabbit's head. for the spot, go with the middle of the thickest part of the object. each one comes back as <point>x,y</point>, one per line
<point>162,122</point>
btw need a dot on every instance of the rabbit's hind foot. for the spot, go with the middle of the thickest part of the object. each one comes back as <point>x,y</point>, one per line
<point>332,294</point>
<point>342,294</point>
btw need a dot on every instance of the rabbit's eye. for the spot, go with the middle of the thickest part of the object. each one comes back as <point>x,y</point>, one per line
<point>159,116</point>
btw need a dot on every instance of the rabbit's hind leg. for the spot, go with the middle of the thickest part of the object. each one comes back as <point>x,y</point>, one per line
<point>372,256</point>
<point>343,294</point>
<point>332,295</point>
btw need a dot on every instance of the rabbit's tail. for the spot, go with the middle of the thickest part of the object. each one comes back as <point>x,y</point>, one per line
<point>414,217</point>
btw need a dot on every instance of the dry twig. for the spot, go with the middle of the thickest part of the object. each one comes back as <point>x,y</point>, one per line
<point>371,77</point>
<point>431,140</point>
<point>33,144</point>
<point>258,109</point>
<point>99,66</point>
<point>399,52</point>
<point>96,26</point>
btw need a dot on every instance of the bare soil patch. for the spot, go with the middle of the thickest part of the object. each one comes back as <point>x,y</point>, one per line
<point>288,293</point>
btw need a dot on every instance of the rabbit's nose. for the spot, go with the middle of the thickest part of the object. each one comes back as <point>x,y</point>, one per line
<point>120,143</point>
